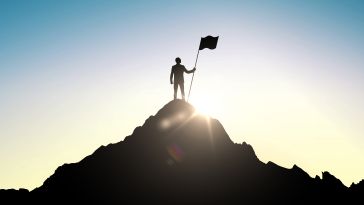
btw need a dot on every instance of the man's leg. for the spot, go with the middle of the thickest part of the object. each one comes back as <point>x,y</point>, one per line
<point>182,87</point>
<point>175,87</point>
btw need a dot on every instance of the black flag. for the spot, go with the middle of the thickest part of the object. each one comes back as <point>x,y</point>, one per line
<point>208,42</point>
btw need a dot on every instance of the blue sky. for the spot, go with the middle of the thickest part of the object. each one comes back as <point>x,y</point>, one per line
<point>286,77</point>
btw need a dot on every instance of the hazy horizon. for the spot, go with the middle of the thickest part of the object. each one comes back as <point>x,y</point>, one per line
<point>286,77</point>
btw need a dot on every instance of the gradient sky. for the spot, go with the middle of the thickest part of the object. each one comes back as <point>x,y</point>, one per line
<point>287,77</point>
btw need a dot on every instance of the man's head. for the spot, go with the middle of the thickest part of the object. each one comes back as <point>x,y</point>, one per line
<point>178,60</point>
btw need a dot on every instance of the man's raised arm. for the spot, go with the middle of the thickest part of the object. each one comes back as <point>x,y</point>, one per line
<point>190,71</point>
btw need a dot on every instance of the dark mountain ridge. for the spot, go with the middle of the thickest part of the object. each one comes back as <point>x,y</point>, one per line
<point>181,157</point>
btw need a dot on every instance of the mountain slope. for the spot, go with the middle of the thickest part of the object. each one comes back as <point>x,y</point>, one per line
<point>181,157</point>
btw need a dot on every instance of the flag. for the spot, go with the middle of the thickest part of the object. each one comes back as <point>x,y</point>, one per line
<point>208,42</point>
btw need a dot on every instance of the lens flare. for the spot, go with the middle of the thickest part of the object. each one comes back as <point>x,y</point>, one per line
<point>176,152</point>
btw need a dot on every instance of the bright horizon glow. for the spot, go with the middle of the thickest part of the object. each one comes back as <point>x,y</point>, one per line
<point>286,77</point>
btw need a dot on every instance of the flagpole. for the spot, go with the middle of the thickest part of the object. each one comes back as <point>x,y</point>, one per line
<point>193,75</point>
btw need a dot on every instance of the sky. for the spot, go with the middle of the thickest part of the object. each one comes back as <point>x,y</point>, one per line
<point>287,77</point>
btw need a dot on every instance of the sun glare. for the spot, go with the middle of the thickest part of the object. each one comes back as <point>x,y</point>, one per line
<point>204,106</point>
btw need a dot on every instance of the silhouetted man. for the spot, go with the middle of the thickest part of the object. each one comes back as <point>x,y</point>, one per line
<point>177,71</point>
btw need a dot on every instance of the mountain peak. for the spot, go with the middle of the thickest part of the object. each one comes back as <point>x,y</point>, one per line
<point>176,106</point>
<point>179,123</point>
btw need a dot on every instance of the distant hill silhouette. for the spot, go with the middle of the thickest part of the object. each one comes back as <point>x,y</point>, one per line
<point>180,157</point>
